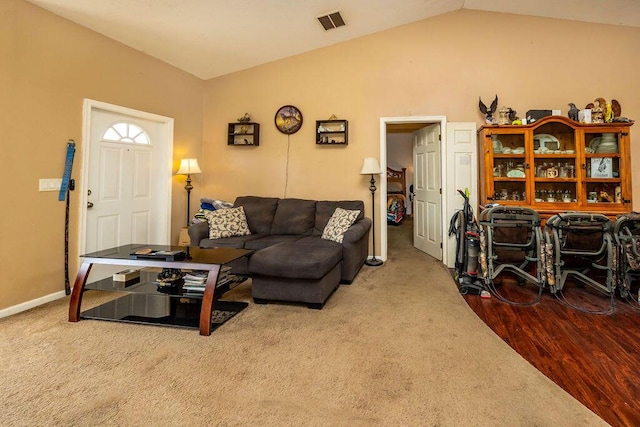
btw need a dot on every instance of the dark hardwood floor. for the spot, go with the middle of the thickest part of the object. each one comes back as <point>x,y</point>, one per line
<point>594,357</point>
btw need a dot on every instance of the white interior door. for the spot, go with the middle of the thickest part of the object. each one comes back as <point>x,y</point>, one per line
<point>461,173</point>
<point>427,223</point>
<point>127,181</point>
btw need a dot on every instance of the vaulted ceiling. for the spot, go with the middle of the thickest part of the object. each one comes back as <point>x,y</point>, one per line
<point>209,38</point>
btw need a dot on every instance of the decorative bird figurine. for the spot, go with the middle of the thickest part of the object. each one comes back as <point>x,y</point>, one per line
<point>617,109</point>
<point>573,112</point>
<point>488,112</point>
<point>513,117</point>
<point>608,113</point>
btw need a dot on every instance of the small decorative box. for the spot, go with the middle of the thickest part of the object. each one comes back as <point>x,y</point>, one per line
<point>126,275</point>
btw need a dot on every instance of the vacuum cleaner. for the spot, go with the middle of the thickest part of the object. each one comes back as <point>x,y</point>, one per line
<point>467,231</point>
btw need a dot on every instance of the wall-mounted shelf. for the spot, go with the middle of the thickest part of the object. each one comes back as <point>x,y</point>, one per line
<point>332,132</point>
<point>243,134</point>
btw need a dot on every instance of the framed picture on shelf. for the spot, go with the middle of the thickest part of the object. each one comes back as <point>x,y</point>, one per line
<point>601,167</point>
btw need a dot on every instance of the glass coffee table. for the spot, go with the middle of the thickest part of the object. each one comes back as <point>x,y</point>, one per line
<point>142,301</point>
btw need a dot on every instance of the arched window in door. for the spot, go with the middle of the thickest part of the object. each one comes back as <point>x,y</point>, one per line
<point>127,133</point>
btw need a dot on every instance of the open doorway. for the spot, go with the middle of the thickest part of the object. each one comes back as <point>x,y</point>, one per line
<point>400,130</point>
<point>399,214</point>
<point>457,169</point>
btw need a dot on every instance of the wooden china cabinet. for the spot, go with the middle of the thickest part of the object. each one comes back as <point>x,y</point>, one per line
<point>557,165</point>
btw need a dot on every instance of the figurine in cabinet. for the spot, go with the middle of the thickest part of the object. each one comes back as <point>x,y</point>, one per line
<point>552,172</point>
<point>605,197</point>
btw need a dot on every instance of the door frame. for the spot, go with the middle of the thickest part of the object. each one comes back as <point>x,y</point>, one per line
<point>164,187</point>
<point>381,229</point>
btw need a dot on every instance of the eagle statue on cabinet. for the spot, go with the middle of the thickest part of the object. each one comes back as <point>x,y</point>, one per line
<point>488,112</point>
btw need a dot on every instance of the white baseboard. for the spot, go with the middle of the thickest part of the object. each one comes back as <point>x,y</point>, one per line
<point>5,312</point>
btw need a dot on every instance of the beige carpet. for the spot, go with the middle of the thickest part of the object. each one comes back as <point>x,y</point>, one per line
<point>397,347</point>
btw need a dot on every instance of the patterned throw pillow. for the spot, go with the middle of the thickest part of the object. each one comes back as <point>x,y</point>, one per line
<point>338,224</point>
<point>227,223</point>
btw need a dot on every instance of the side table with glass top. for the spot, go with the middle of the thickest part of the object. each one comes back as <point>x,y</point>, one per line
<point>143,302</point>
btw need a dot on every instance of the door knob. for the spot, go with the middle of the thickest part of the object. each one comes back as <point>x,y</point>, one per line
<point>89,205</point>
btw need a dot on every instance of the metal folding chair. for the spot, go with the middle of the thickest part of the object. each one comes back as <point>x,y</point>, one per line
<point>512,242</point>
<point>626,234</point>
<point>582,247</point>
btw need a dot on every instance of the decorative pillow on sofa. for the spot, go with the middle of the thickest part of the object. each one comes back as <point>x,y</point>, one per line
<point>338,224</point>
<point>227,223</point>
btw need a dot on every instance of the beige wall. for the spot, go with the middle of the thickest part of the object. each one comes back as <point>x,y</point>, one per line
<point>49,65</point>
<point>433,67</point>
<point>437,66</point>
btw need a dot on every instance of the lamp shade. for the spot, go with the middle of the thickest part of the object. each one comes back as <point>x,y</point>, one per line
<point>188,167</point>
<point>370,166</point>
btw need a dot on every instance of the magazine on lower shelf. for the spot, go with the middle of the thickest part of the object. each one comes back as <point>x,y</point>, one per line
<point>196,280</point>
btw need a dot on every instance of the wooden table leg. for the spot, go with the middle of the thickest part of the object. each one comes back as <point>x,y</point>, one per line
<point>78,290</point>
<point>207,301</point>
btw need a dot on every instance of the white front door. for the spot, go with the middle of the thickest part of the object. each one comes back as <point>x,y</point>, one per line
<point>427,184</point>
<point>128,179</point>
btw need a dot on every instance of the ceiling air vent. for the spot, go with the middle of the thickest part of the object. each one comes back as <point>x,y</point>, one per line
<point>331,20</point>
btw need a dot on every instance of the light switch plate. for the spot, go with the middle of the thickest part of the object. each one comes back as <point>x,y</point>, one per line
<point>50,184</point>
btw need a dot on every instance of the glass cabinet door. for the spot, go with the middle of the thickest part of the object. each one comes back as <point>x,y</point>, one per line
<point>602,165</point>
<point>555,165</point>
<point>509,168</point>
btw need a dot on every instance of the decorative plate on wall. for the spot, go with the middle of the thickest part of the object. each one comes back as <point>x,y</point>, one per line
<point>288,119</point>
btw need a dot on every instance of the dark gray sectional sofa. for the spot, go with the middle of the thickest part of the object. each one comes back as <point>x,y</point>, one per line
<point>292,262</point>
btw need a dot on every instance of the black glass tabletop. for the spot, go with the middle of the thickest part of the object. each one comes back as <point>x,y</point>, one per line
<point>189,254</point>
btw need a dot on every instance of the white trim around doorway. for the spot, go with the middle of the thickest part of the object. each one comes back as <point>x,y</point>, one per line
<point>88,106</point>
<point>381,228</point>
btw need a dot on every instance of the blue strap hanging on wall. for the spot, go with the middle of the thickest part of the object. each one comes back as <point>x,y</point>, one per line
<point>64,187</point>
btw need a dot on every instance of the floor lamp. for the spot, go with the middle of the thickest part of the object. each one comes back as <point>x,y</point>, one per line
<point>188,167</point>
<point>372,167</point>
